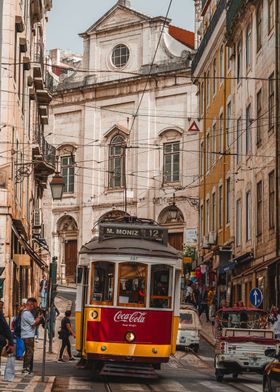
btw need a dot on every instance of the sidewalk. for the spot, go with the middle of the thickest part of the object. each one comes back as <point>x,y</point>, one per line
<point>33,384</point>
<point>207,332</point>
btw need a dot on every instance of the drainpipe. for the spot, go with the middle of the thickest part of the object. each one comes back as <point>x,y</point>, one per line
<point>277,131</point>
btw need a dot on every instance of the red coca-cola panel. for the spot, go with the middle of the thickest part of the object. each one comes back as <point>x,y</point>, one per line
<point>150,327</point>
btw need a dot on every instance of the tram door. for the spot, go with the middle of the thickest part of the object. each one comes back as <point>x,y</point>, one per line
<point>71,256</point>
<point>176,240</point>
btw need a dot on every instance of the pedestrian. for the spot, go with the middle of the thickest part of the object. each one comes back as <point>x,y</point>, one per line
<point>16,330</point>
<point>189,294</point>
<point>276,325</point>
<point>65,333</point>
<point>6,337</point>
<point>28,326</point>
<point>44,291</point>
<point>204,308</point>
<point>54,313</point>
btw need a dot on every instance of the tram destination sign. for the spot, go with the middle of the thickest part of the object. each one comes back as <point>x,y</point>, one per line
<point>143,232</point>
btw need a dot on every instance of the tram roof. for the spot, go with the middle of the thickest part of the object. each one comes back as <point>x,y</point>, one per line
<point>129,246</point>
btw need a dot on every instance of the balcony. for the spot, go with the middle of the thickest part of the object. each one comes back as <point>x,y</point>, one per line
<point>43,155</point>
<point>38,69</point>
<point>36,11</point>
<point>207,37</point>
<point>235,10</point>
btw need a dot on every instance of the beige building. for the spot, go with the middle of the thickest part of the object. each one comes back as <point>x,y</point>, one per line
<point>26,159</point>
<point>121,126</point>
<point>251,35</point>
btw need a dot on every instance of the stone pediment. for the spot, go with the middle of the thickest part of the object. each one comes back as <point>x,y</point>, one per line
<point>117,16</point>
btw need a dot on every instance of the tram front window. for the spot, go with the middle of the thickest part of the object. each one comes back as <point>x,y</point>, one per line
<point>132,284</point>
<point>161,286</point>
<point>103,283</point>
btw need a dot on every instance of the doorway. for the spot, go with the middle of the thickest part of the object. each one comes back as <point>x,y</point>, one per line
<point>71,260</point>
<point>176,240</point>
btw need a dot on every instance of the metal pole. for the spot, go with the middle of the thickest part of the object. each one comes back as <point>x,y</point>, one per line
<point>50,328</point>
<point>45,331</point>
<point>124,179</point>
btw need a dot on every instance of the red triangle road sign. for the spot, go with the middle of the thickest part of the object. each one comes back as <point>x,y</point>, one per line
<point>194,127</point>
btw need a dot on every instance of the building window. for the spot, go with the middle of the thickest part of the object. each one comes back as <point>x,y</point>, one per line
<point>116,162</point>
<point>68,173</point>
<point>201,96</point>
<point>214,142</point>
<point>221,136</point>
<point>259,120</point>
<point>214,211</point>
<point>207,217</point>
<point>259,27</point>
<point>208,156</point>
<point>120,56</point>
<point>220,206</point>
<point>228,130</point>
<point>271,101</point>
<point>221,64</point>
<point>208,89</point>
<point>248,216</point>
<point>270,15</point>
<point>248,46</point>
<point>201,223</point>
<point>202,159</point>
<point>248,130</point>
<point>171,162</point>
<point>228,199</point>
<point>271,200</point>
<point>214,77</point>
<point>238,141</point>
<point>259,207</point>
<point>239,60</point>
<point>229,54</point>
<point>238,222</point>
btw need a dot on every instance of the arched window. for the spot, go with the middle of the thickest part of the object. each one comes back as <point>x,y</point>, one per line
<point>116,162</point>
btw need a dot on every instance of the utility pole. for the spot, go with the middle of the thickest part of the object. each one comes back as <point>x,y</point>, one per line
<point>124,147</point>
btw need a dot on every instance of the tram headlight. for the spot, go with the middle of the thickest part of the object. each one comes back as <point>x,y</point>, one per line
<point>130,337</point>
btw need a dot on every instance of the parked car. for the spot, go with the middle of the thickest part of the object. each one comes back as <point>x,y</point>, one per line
<point>243,335</point>
<point>271,376</point>
<point>189,329</point>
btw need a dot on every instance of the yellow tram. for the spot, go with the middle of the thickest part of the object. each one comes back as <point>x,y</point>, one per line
<point>128,296</point>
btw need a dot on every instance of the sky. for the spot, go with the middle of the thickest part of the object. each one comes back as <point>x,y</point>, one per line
<point>67,21</point>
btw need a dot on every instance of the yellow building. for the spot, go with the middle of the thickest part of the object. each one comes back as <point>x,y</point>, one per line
<point>211,70</point>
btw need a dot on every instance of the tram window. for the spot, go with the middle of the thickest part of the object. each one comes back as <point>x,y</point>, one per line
<point>103,283</point>
<point>132,284</point>
<point>161,287</point>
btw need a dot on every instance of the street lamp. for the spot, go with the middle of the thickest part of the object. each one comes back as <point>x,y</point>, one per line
<point>173,210</point>
<point>57,184</point>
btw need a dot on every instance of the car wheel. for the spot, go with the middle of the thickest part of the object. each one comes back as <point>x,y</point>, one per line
<point>235,376</point>
<point>219,376</point>
<point>196,348</point>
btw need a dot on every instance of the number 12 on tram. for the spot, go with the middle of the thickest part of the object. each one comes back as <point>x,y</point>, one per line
<point>128,295</point>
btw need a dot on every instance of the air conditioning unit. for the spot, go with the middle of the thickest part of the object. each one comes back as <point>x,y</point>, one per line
<point>212,238</point>
<point>205,242</point>
<point>37,218</point>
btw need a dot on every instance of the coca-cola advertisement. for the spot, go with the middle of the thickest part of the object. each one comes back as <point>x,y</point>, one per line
<point>149,326</point>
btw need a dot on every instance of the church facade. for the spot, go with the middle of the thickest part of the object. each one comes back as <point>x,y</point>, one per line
<point>124,125</point>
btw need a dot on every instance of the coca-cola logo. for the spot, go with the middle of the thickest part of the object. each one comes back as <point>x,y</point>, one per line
<point>135,317</point>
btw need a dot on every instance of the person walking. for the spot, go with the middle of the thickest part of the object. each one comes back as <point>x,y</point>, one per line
<point>44,291</point>
<point>276,325</point>
<point>65,333</point>
<point>54,313</point>
<point>204,308</point>
<point>28,326</point>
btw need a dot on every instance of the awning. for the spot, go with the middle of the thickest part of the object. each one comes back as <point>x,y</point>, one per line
<point>233,263</point>
<point>42,243</point>
<point>34,255</point>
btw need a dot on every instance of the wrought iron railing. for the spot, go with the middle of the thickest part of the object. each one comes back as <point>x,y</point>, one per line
<point>47,151</point>
<point>39,55</point>
<point>213,23</point>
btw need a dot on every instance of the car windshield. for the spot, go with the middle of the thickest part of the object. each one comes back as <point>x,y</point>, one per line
<point>186,320</point>
<point>242,318</point>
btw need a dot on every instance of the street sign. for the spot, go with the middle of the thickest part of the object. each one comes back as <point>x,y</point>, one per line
<point>194,127</point>
<point>256,297</point>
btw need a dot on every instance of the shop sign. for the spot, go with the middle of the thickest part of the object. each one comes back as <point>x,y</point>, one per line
<point>190,236</point>
<point>187,260</point>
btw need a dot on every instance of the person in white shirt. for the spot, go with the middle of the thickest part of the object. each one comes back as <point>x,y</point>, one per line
<point>28,326</point>
<point>276,326</point>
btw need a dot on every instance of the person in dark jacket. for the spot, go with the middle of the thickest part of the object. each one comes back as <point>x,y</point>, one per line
<point>6,337</point>
<point>66,332</point>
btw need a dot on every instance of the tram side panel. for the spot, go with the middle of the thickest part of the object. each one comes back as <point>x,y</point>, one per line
<point>176,314</point>
<point>107,328</point>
